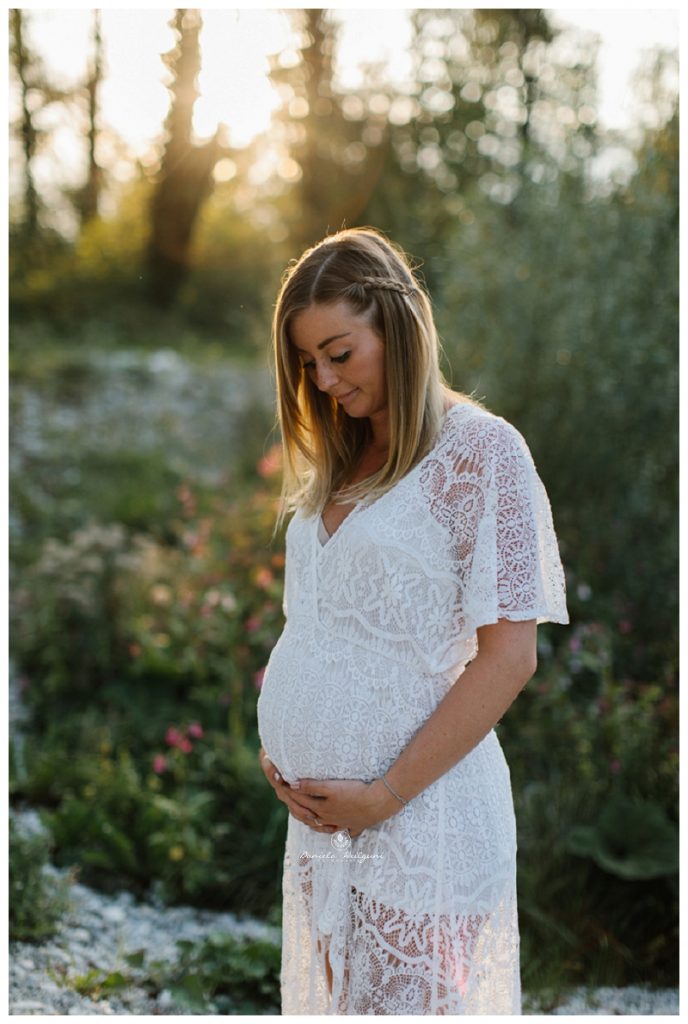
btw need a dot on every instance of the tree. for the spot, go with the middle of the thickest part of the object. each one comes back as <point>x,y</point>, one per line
<point>36,92</point>
<point>337,158</point>
<point>565,319</point>
<point>91,191</point>
<point>184,179</point>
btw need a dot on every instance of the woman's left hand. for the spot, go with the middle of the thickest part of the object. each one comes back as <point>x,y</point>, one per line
<point>344,803</point>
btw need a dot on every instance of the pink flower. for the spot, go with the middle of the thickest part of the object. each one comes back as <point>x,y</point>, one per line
<point>615,766</point>
<point>195,729</point>
<point>172,737</point>
<point>159,764</point>
<point>271,463</point>
<point>253,623</point>
<point>258,678</point>
<point>574,643</point>
<point>185,746</point>
<point>625,626</point>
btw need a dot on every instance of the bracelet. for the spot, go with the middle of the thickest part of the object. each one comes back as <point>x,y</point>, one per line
<point>392,791</point>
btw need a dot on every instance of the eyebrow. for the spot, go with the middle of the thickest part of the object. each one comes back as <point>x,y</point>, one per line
<point>321,344</point>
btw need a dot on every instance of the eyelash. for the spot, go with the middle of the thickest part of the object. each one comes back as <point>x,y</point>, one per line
<point>335,359</point>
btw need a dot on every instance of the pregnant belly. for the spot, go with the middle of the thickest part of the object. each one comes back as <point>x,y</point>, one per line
<point>330,710</point>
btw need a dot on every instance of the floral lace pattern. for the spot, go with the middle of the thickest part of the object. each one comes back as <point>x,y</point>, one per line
<point>417,915</point>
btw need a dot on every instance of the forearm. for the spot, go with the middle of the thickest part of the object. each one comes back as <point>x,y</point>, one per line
<point>472,707</point>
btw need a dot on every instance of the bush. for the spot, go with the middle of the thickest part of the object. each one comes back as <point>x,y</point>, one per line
<point>197,824</point>
<point>594,761</point>
<point>37,902</point>
<point>224,975</point>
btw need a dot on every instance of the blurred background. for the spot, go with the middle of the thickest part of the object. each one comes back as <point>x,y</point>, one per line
<point>165,165</point>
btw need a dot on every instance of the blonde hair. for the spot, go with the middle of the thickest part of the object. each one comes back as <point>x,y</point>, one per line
<point>321,444</point>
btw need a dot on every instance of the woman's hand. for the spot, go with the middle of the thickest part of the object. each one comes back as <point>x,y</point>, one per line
<point>284,792</point>
<point>353,804</point>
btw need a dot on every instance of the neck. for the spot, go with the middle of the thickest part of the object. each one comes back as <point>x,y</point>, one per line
<point>379,426</point>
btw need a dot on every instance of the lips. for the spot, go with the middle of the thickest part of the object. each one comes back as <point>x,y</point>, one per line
<point>349,394</point>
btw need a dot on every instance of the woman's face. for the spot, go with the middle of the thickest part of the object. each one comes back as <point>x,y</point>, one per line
<point>343,356</point>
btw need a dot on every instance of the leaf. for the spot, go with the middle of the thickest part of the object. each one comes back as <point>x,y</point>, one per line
<point>136,958</point>
<point>631,839</point>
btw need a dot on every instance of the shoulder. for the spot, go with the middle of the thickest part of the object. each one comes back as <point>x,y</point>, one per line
<point>472,430</point>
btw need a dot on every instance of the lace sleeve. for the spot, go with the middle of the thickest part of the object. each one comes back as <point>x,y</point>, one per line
<point>516,571</point>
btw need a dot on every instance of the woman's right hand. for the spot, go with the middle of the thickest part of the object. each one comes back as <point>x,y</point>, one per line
<point>287,795</point>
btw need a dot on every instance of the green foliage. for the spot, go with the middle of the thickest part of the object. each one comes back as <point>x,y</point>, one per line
<point>66,613</point>
<point>223,975</point>
<point>594,767</point>
<point>219,975</point>
<point>37,903</point>
<point>198,823</point>
<point>562,311</point>
<point>199,615</point>
<point>631,839</point>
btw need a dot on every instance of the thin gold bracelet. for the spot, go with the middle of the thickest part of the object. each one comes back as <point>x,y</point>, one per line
<point>392,791</point>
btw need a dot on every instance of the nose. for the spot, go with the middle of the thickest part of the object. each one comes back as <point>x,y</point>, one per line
<point>326,377</point>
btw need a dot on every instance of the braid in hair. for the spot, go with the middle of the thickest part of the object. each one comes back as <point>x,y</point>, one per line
<point>387,284</point>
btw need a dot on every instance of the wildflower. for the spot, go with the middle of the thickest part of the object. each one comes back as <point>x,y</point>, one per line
<point>574,643</point>
<point>625,626</point>
<point>159,764</point>
<point>258,678</point>
<point>271,462</point>
<point>195,729</point>
<point>172,736</point>
<point>253,623</point>
<point>186,500</point>
<point>185,745</point>
<point>263,578</point>
<point>160,594</point>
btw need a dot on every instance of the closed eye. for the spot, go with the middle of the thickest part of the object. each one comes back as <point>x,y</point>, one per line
<point>335,359</point>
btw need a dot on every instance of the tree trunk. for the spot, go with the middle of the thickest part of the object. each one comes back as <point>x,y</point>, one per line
<point>27,129</point>
<point>185,177</point>
<point>91,192</point>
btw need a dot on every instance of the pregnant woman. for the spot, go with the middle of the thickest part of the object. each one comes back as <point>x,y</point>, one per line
<point>420,558</point>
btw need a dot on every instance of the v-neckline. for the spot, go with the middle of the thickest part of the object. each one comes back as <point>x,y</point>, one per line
<point>365,501</point>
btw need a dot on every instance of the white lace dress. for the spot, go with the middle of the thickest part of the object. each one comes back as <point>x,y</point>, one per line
<point>417,914</point>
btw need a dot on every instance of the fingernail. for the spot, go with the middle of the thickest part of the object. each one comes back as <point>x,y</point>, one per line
<point>277,776</point>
